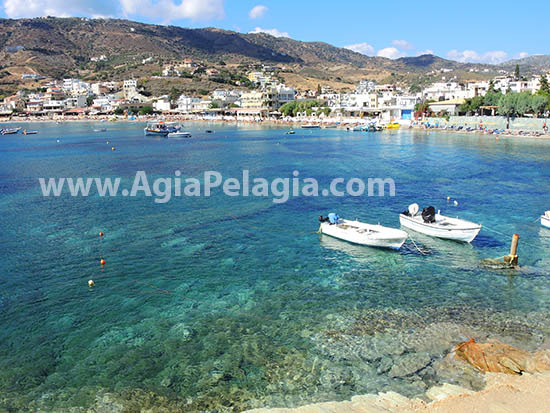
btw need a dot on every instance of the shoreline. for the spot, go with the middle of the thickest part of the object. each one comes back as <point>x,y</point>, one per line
<point>295,123</point>
<point>503,393</point>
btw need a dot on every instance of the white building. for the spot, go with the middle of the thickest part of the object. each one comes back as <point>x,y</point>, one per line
<point>186,104</point>
<point>130,88</point>
<point>162,104</point>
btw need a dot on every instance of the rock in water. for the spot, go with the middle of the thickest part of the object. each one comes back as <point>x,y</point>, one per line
<point>501,358</point>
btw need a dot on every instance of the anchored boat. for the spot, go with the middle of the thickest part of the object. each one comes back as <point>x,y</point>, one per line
<point>179,134</point>
<point>545,219</point>
<point>361,233</point>
<point>156,129</point>
<point>436,225</point>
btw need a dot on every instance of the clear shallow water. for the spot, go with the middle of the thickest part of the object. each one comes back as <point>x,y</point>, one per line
<point>224,304</point>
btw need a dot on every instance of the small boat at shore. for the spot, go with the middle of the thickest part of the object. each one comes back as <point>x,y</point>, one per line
<point>361,233</point>
<point>290,132</point>
<point>545,219</point>
<point>393,126</point>
<point>310,126</point>
<point>434,224</point>
<point>8,131</point>
<point>179,134</point>
<point>29,132</point>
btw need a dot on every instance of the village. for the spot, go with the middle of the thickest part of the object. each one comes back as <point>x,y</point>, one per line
<point>264,97</point>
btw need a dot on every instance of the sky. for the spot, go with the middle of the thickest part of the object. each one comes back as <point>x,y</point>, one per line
<point>482,31</point>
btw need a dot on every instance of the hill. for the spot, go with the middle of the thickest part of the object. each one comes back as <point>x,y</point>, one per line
<point>65,47</point>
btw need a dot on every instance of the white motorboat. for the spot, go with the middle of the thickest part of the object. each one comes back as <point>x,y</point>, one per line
<point>545,219</point>
<point>310,126</point>
<point>436,225</point>
<point>179,134</point>
<point>361,233</point>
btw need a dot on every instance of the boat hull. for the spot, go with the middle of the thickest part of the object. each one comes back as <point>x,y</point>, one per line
<point>179,135</point>
<point>545,221</point>
<point>365,234</point>
<point>149,132</point>
<point>465,234</point>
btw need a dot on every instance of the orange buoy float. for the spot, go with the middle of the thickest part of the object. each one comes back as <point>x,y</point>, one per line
<point>101,234</point>
<point>102,262</point>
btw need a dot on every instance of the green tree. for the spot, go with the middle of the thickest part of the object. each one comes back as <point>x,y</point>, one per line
<point>507,105</point>
<point>517,73</point>
<point>523,104</point>
<point>544,89</point>
<point>146,110</point>
<point>89,101</point>
<point>415,89</point>
<point>538,104</point>
<point>491,87</point>
<point>119,111</point>
<point>492,98</point>
<point>319,90</point>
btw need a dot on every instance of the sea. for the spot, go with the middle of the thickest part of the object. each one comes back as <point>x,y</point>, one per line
<point>226,303</point>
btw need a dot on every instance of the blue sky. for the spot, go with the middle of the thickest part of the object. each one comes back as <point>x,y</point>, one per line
<point>475,31</point>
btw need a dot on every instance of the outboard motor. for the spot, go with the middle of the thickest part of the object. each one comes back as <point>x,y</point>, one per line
<point>323,219</point>
<point>428,215</point>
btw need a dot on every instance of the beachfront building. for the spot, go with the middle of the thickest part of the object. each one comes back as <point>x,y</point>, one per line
<point>224,98</point>
<point>78,101</point>
<point>162,104</point>
<point>187,104</point>
<point>447,106</point>
<point>440,91</point>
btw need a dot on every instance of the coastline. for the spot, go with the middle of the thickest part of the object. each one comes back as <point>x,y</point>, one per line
<point>342,124</point>
<point>503,393</point>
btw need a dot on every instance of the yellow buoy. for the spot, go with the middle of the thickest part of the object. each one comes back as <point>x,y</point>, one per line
<point>91,283</point>
<point>113,148</point>
<point>448,198</point>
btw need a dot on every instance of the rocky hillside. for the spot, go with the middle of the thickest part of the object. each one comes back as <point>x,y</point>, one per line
<point>64,47</point>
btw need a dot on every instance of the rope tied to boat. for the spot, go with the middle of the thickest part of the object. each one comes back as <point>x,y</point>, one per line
<point>416,246</point>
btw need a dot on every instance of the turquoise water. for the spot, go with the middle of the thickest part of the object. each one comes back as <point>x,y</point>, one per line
<point>228,303</point>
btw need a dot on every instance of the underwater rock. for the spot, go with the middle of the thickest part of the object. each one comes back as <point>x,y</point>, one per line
<point>409,364</point>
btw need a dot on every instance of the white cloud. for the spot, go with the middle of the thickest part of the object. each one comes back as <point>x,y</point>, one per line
<point>59,8</point>
<point>402,44</point>
<point>273,32</point>
<point>523,55</point>
<point>471,56</point>
<point>391,53</point>
<point>168,10</point>
<point>363,48</point>
<point>423,52</point>
<point>257,12</point>
<point>161,10</point>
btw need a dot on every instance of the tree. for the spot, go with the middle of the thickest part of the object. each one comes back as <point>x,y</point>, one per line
<point>492,98</point>
<point>119,111</point>
<point>517,74</point>
<point>491,87</point>
<point>89,101</point>
<point>544,89</point>
<point>523,103</point>
<point>507,105</point>
<point>146,110</point>
<point>319,90</point>
<point>415,89</point>
<point>538,104</point>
